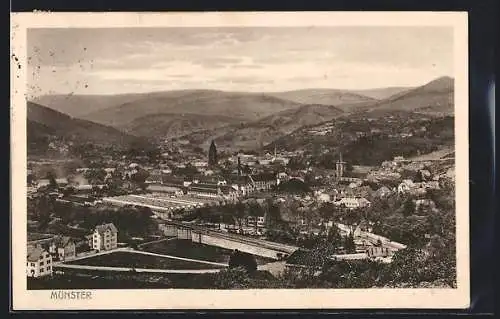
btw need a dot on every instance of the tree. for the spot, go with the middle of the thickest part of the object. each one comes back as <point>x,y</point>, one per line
<point>44,207</point>
<point>240,213</point>
<point>408,207</point>
<point>140,177</point>
<point>349,244</point>
<point>52,181</point>
<point>95,176</point>
<point>245,260</point>
<point>326,211</point>
<point>334,236</point>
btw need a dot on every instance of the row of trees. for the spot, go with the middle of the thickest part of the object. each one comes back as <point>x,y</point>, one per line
<point>236,213</point>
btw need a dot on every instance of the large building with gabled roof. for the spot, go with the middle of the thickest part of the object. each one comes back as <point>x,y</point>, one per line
<point>104,237</point>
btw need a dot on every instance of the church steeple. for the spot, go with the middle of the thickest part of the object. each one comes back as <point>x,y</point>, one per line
<point>340,166</point>
<point>212,154</point>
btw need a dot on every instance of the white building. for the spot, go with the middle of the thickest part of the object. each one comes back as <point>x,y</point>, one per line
<point>258,221</point>
<point>405,186</point>
<point>322,197</point>
<point>353,202</point>
<point>38,263</point>
<point>104,237</point>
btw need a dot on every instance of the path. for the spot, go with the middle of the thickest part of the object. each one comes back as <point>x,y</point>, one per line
<point>275,268</point>
<point>156,241</point>
<point>93,254</point>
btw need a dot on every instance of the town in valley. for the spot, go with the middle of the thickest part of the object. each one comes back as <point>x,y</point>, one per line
<point>211,189</point>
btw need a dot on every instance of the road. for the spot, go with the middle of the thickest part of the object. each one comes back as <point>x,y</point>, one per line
<point>275,268</point>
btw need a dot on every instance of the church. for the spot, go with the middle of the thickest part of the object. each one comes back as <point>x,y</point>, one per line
<point>212,155</point>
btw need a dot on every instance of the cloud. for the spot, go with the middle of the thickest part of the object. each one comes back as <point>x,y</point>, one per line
<point>242,59</point>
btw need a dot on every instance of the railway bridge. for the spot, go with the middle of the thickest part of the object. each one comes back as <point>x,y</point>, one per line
<point>206,236</point>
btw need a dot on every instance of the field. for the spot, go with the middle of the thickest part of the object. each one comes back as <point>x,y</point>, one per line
<point>189,249</point>
<point>95,279</point>
<point>133,260</point>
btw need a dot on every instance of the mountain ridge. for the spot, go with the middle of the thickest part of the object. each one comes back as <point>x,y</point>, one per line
<point>44,124</point>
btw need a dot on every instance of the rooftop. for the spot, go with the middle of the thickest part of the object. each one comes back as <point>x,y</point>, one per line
<point>34,253</point>
<point>104,227</point>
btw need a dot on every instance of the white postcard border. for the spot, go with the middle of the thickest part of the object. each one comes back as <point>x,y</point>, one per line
<point>237,299</point>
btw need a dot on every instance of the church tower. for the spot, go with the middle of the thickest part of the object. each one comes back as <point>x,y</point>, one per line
<point>239,166</point>
<point>212,154</point>
<point>340,167</point>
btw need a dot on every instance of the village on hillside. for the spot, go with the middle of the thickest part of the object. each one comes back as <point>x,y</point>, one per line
<point>115,212</point>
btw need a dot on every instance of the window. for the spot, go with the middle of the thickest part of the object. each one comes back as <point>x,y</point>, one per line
<point>41,263</point>
<point>42,269</point>
<point>32,264</point>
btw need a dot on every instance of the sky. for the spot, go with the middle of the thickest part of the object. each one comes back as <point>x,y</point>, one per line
<point>134,60</point>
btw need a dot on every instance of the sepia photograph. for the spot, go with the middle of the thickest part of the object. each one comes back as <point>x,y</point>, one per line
<point>198,154</point>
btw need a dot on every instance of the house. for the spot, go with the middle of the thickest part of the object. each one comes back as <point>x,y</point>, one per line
<point>229,192</point>
<point>105,237</point>
<point>398,159</point>
<point>200,164</point>
<point>430,185</point>
<point>262,181</point>
<point>38,262</point>
<point>158,188</point>
<point>243,188</point>
<point>322,197</point>
<point>204,190</point>
<point>353,202</point>
<point>256,221</point>
<point>425,202</point>
<point>62,248</point>
<point>208,172</point>
<point>405,186</point>
<point>42,183</point>
<point>281,177</point>
<point>374,252</point>
<point>62,182</point>
<point>173,181</point>
<point>83,189</point>
<point>382,192</point>
<point>154,177</point>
